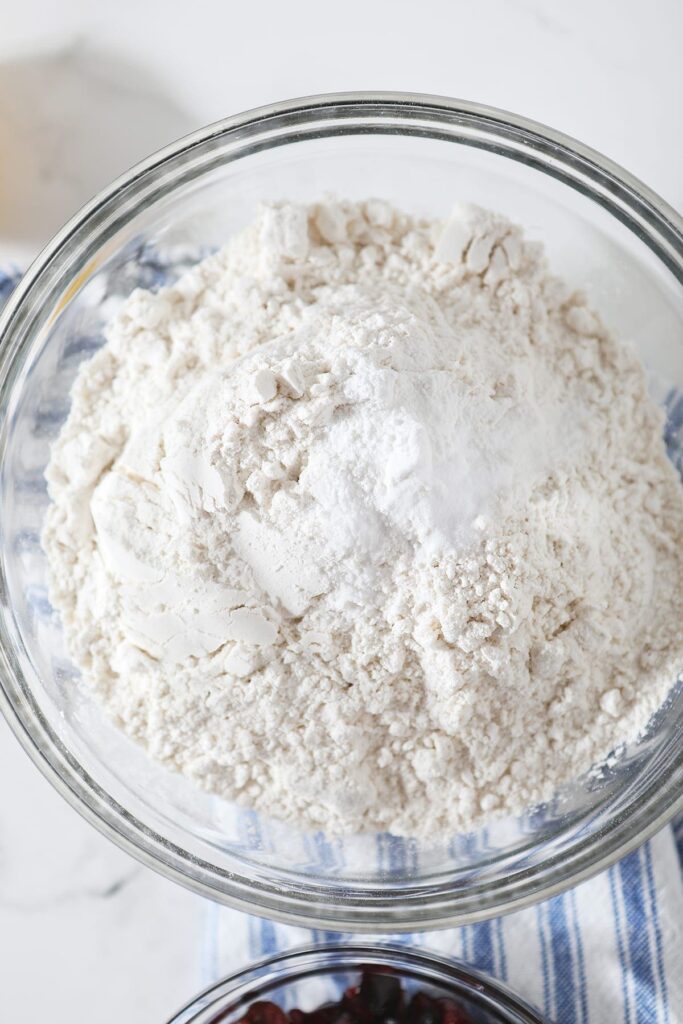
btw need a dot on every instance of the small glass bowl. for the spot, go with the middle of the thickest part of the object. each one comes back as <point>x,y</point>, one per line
<point>309,977</point>
<point>604,232</point>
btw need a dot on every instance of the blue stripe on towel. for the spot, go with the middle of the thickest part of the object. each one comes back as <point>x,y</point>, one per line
<point>8,281</point>
<point>482,953</point>
<point>678,834</point>
<point>581,964</point>
<point>502,971</point>
<point>659,947</point>
<point>621,946</point>
<point>562,961</point>
<point>268,943</point>
<point>638,938</point>
<point>544,947</point>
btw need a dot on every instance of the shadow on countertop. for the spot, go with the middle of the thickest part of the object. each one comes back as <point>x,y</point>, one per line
<point>71,120</point>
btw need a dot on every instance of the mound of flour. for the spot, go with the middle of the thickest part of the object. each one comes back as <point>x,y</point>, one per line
<point>367,523</point>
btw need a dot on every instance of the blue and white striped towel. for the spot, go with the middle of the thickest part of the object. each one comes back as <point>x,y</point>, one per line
<point>608,952</point>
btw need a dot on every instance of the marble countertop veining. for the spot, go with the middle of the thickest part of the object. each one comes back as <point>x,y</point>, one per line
<point>86,933</point>
<point>85,90</point>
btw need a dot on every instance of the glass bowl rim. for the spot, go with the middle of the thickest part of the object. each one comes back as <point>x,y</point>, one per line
<point>251,983</point>
<point>578,166</point>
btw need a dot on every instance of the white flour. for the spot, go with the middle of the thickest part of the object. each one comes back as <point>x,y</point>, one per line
<point>415,559</point>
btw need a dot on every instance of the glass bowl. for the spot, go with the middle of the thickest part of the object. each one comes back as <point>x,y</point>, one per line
<point>604,232</point>
<point>309,977</point>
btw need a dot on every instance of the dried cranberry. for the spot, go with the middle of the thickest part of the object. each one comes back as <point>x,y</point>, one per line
<point>451,1013</point>
<point>342,1017</point>
<point>353,1005</point>
<point>378,999</point>
<point>328,1013</point>
<point>381,994</point>
<point>356,1010</point>
<point>265,1013</point>
<point>423,1010</point>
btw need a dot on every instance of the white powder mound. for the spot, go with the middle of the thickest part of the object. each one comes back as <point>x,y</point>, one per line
<point>412,561</point>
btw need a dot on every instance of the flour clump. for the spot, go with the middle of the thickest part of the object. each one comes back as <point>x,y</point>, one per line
<point>367,523</point>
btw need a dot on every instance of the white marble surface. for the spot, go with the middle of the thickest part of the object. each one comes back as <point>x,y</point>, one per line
<point>86,89</point>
